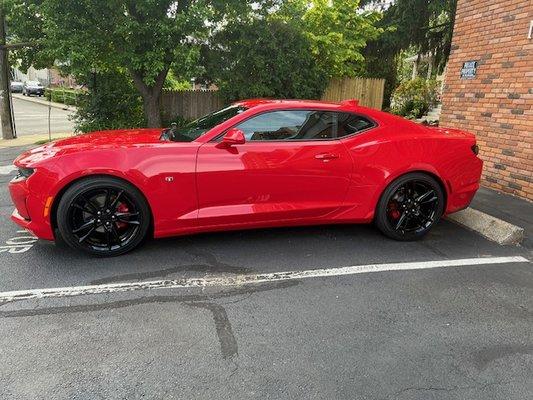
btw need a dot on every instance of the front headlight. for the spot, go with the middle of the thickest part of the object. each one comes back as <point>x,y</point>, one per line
<point>24,173</point>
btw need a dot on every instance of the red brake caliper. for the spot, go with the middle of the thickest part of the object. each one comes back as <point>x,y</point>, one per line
<point>393,210</point>
<point>122,208</point>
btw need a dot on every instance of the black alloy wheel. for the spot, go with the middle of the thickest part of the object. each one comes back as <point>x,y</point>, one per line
<point>410,206</point>
<point>103,216</point>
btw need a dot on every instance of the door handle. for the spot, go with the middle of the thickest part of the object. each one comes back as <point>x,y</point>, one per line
<point>326,156</point>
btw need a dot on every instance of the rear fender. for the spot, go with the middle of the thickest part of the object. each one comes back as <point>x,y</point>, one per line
<point>417,167</point>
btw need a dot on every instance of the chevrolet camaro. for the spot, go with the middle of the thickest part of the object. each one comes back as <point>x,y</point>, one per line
<point>254,164</point>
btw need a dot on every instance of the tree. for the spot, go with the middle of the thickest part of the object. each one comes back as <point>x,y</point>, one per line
<point>110,102</point>
<point>145,38</point>
<point>263,58</point>
<point>338,30</point>
<point>339,33</point>
<point>423,25</point>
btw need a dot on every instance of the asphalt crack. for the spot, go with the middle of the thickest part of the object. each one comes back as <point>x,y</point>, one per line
<point>210,264</point>
<point>227,341</point>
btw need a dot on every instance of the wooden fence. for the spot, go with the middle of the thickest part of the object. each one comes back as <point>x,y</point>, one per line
<point>189,104</point>
<point>368,91</point>
<point>192,104</point>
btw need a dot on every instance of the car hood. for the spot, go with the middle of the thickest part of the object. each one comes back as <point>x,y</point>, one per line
<point>91,141</point>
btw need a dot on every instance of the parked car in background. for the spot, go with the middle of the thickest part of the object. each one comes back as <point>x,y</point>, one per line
<point>256,163</point>
<point>32,87</point>
<point>16,87</point>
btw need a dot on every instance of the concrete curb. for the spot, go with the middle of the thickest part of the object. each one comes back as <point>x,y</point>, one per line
<point>488,226</point>
<point>44,102</point>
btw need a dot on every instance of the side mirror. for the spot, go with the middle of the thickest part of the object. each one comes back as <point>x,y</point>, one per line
<point>232,137</point>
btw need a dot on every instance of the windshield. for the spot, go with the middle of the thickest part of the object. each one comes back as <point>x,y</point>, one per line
<point>193,130</point>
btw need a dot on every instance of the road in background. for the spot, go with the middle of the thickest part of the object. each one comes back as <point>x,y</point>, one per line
<point>32,118</point>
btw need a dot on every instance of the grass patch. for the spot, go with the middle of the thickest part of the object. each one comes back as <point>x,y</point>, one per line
<point>45,141</point>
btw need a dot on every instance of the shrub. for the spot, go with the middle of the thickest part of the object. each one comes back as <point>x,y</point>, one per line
<point>65,96</point>
<point>111,102</point>
<point>413,98</point>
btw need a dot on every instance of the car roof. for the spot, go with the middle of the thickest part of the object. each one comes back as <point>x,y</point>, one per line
<point>289,103</point>
<point>350,105</point>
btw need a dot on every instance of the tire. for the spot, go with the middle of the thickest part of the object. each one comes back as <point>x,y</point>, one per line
<point>103,216</point>
<point>409,207</point>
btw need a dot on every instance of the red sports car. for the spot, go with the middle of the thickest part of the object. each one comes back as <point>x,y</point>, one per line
<point>256,163</point>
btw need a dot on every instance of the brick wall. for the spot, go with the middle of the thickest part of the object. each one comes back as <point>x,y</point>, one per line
<point>497,104</point>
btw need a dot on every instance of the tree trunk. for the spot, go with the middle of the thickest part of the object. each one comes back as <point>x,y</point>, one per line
<point>151,95</point>
<point>151,110</point>
<point>415,67</point>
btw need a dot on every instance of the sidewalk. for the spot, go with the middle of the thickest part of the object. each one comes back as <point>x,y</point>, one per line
<point>31,139</point>
<point>44,102</point>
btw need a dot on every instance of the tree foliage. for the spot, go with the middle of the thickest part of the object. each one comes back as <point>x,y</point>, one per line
<point>263,58</point>
<point>339,33</point>
<point>426,26</point>
<point>338,30</point>
<point>291,51</point>
<point>110,102</point>
<point>146,38</point>
<point>413,98</point>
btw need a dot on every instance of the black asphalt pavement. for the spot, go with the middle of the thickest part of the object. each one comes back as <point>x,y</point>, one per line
<point>445,333</point>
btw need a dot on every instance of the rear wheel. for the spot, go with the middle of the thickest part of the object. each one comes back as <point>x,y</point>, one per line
<point>410,206</point>
<point>103,216</point>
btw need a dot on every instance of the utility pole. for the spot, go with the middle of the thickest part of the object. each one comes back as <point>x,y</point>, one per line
<point>5,92</point>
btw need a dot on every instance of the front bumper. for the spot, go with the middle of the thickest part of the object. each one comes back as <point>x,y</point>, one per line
<point>29,210</point>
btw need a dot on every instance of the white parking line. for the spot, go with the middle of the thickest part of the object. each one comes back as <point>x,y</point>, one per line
<point>248,279</point>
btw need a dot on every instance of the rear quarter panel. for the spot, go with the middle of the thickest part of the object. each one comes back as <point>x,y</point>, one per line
<point>385,153</point>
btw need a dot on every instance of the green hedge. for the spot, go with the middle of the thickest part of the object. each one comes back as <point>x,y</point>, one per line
<point>66,96</point>
<point>413,98</point>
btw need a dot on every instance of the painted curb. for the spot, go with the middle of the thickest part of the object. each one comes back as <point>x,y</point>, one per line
<point>492,228</point>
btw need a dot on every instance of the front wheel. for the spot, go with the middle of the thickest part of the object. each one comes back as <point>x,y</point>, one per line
<point>103,216</point>
<point>409,207</point>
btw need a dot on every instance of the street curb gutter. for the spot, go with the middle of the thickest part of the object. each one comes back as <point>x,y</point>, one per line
<point>488,226</point>
<point>46,103</point>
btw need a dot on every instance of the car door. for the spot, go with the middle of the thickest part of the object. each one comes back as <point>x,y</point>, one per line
<point>290,167</point>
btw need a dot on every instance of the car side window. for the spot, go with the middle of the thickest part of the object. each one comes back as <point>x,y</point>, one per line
<point>291,125</point>
<point>352,123</point>
<point>302,125</point>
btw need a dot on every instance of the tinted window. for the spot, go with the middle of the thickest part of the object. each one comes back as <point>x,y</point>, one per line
<point>195,129</point>
<point>302,125</point>
<point>351,123</point>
